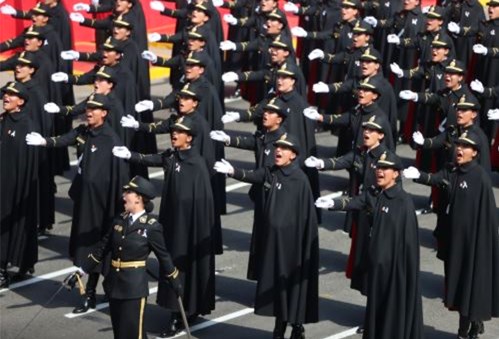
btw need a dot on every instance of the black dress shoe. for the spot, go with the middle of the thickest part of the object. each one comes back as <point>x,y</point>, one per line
<point>279,329</point>
<point>4,279</point>
<point>174,327</point>
<point>298,332</point>
<point>476,329</point>
<point>23,274</point>
<point>88,304</point>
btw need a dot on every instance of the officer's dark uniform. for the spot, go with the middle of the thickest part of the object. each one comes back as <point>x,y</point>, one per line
<point>130,242</point>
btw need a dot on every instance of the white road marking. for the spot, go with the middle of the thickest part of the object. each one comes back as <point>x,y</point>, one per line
<point>344,334</point>
<point>216,321</point>
<point>40,278</point>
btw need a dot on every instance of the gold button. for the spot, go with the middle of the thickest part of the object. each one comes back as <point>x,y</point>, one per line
<point>120,248</point>
<point>117,270</point>
<point>123,237</point>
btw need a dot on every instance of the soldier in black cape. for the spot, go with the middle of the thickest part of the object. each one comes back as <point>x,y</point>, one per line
<point>187,215</point>
<point>18,182</point>
<point>394,306</point>
<point>471,253</point>
<point>287,287</point>
<point>96,188</point>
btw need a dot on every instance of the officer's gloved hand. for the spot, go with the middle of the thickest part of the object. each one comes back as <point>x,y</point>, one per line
<point>175,283</point>
<point>157,6</point>
<point>425,9</point>
<point>299,32</point>
<point>228,45</point>
<point>35,139</point>
<point>8,10</point>
<point>80,6</point>
<point>121,152</point>
<point>408,95</point>
<point>291,8</point>
<point>144,105</point>
<point>395,68</point>
<point>95,2</point>
<point>229,117</point>
<point>230,76</point>
<point>59,77</point>
<point>150,56</point>
<point>77,17</point>
<point>224,167</point>
<point>218,3</point>
<point>316,54</point>
<point>480,49</point>
<point>153,37</point>
<point>230,19</point>
<point>220,136</point>
<point>493,114</point>
<point>320,87</point>
<point>324,202</point>
<point>453,27</point>
<point>371,21</point>
<point>314,162</point>
<point>311,113</point>
<point>129,122</point>
<point>393,39</point>
<point>477,86</point>
<point>418,138</point>
<point>411,173</point>
<point>51,107</point>
<point>70,55</point>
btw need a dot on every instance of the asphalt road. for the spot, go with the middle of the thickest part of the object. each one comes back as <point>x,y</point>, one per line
<point>26,313</point>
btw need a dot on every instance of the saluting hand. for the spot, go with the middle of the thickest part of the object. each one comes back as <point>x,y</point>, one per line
<point>411,173</point>
<point>395,68</point>
<point>371,21</point>
<point>70,55</point>
<point>324,202</point>
<point>157,6</point>
<point>418,138</point>
<point>229,117</point>
<point>230,76</point>
<point>493,114</point>
<point>121,152</point>
<point>291,7</point>
<point>129,122</point>
<point>8,10</point>
<point>477,86</point>
<point>230,19</point>
<point>311,113</point>
<point>224,167</point>
<point>35,139</point>
<point>80,6</point>
<point>148,55</point>
<point>220,136</point>
<point>59,77</point>
<point>227,45</point>
<point>77,17</point>
<point>314,162</point>
<point>408,95</point>
<point>154,37</point>
<point>320,87</point>
<point>144,105</point>
<point>51,107</point>
<point>299,32</point>
<point>316,54</point>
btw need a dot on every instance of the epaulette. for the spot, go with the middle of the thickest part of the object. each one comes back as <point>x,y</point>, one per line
<point>152,221</point>
<point>143,219</point>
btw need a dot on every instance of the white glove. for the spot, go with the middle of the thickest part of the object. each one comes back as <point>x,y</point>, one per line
<point>299,32</point>
<point>227,45</point>
<point>153,37</point>
<point>230,76</point>
<point>316,54</point>
<point>8,10</point>
<point>320,87</point>
<point>129,122</point>
<point>311,113</point>
<point>314,162</point>
<point>70,55</point>
<point>453,27</point>
<point>371,21</point>
<point>80,6</point>
<point>291,7</point>
<point>230,19</point>
<point>411,173</point>
<point>395,68</point>
<point>148,55</point>
<point>408,95</point>
<point>229,117</point>
<point>94,2</point>
<point>35,139</point>
<point>77,17</point>
<point>493,114</point>
<point>324,202</point>
<point>144,105</point>
<point>218,3</point>
<point>220,136</point>
<point>393,39</point>
<point>121,152</point>
<point>224,167</point>
<point>59,77</point>
<point>477,86</point>
<point>425,9</point>
<point>418,138</point>
<point>51,107</point>
<point>480,49</point>
<point>157,6</point>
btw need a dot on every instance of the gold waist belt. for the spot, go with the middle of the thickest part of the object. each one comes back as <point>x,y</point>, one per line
<point>128,264</point>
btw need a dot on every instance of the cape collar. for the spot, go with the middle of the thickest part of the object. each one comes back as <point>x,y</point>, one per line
<point>393,191</point>
<point>287,170</point>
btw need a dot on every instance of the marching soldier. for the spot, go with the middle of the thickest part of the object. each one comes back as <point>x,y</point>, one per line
<point>133,236</point>
<point>471,241</point>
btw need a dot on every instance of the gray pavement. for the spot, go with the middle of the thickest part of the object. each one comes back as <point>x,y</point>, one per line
<point>25,314</point>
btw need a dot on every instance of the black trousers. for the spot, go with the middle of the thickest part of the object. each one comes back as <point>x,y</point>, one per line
<point>127,317</point>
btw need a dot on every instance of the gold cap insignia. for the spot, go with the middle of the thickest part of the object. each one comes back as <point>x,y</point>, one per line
<point>383,156</point>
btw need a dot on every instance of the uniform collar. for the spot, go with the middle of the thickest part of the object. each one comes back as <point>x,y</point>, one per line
<point>467,167</point>
<point>393,191</point>
<point>97,130</point>
<point>369,109</point>
<point>287,170</point>
<point>378,150</point>
<point>287,96</point>
<point>274,135</point>
<point>137,215</point>
<point>185,153</point>
<point>15,116</point>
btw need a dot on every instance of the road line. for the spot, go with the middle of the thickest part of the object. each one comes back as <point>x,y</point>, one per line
<point>37,279</point>
<point>102,306</point>
<point>344,334</point>
<point>216,321</point>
